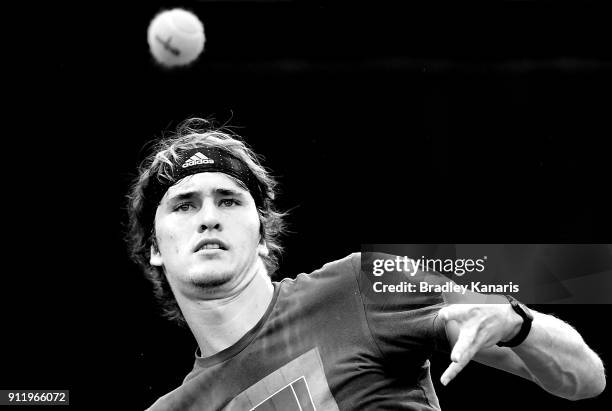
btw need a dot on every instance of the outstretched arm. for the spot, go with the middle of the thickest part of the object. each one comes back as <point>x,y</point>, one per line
<point>553,355</point>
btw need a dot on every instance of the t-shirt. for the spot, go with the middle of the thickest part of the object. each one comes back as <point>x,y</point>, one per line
<point>329,340</point>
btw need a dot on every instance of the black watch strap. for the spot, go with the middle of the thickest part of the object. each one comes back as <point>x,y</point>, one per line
<point>525,327</point>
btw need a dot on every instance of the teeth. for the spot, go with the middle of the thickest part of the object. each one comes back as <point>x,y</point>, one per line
<point>210,246</point>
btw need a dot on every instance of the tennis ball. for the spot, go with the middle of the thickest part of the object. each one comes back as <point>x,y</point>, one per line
<point>176,37</point>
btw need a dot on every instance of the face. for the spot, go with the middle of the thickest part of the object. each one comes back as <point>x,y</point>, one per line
<point>207,232</point>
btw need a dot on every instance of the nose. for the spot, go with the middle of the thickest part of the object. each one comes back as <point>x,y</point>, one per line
<point>209,217</point>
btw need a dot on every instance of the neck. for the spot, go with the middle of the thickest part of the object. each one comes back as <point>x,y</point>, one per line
<point>219,323</point>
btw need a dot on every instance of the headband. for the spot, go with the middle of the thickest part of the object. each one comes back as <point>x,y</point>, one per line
<point>207,160</point>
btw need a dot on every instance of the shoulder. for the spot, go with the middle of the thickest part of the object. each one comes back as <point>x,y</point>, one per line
<point>350,262</point>
<point>163,402</point>
<point>354,274</point>
<point>362,269</point>
<point>354,262</point>
<point>334,269</point>
<point>326,283</point>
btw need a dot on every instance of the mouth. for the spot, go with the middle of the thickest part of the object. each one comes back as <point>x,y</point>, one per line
<point>210,245</point>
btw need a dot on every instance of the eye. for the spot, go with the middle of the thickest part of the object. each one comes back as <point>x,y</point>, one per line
<point>228,202</point>
<point>186,206</point>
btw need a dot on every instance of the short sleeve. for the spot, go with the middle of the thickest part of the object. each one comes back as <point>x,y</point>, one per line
<point>401,310</point>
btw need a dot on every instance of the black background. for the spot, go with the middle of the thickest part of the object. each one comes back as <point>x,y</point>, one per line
<point>422,124</point>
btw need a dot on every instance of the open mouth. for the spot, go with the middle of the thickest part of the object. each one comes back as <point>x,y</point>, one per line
<point>210,245</point>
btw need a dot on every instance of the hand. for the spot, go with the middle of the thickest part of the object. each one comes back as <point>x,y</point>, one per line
<point>476,326</point>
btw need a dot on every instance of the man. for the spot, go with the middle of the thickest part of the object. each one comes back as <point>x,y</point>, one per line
<point>204,229</point>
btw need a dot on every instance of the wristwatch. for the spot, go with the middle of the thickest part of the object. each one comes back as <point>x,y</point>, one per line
<point>527,317</point>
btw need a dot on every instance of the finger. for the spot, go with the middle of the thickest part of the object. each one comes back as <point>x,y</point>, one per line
<point>465,357</point>
<point>465,339</point>
<point>459,358</point>
<point>470,351</point>
<point>450,373</point>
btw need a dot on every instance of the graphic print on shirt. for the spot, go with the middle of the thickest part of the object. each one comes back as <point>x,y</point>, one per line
<point>299,385</point>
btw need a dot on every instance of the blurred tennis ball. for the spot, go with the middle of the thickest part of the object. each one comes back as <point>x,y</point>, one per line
<point>176,37</point>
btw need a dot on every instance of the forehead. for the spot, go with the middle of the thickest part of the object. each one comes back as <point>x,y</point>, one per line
<point>205,182</point>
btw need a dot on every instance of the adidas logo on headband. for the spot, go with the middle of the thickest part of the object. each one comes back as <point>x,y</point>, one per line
<point>208,159</point>
<point>197,158</point>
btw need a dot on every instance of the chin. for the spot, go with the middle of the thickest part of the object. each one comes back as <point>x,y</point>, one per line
<point>210,279</point>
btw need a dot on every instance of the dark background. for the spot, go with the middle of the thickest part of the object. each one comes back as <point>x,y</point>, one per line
<point>471,122</point>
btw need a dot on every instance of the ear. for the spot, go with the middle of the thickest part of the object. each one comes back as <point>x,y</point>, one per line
<point>262,249</point>
<point>156,258</point>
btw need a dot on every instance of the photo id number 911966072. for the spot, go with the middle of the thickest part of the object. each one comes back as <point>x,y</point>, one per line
<point>34,397</point>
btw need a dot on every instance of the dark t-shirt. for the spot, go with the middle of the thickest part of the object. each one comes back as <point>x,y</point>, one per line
<point>327,341</point>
